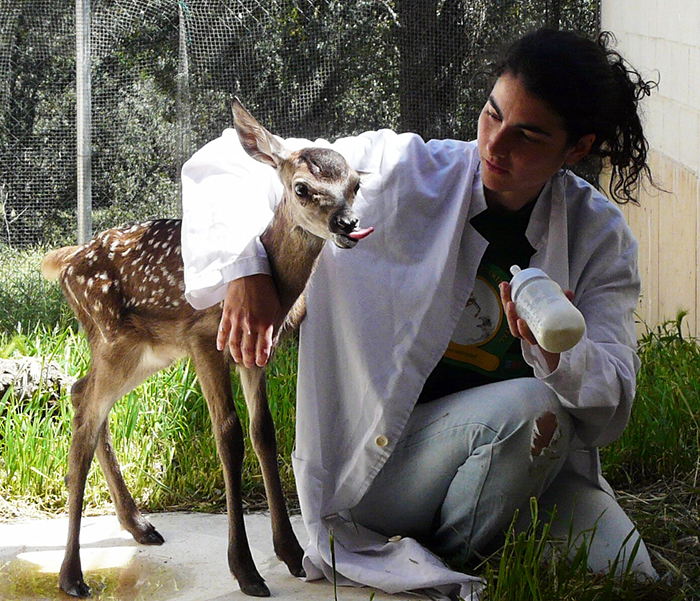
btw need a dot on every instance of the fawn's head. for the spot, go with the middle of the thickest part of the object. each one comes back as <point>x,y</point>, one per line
<point>320,187</point>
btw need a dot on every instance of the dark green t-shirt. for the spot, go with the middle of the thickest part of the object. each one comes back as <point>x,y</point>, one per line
<point>482,349</point>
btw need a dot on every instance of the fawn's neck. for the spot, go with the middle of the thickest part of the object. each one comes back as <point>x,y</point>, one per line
<point>292,252</point>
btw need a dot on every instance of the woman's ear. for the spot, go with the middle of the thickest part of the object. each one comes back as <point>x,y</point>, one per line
<point>579,150</point>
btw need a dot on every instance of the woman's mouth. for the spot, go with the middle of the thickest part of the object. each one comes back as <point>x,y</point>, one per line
<point>495,168</point>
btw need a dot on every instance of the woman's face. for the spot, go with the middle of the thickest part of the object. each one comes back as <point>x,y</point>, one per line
<point>522,143</point>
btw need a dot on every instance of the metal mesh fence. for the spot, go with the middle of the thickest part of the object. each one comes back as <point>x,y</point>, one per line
<point>164,71</point>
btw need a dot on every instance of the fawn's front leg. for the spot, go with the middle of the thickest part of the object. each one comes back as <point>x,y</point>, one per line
<point>262,434</point>
<point>214,377</point>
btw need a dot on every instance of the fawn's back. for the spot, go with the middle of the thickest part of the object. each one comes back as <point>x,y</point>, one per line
<point>129,280</point>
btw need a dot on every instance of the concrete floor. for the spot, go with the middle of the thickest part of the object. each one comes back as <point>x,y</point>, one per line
<point>190,566</point>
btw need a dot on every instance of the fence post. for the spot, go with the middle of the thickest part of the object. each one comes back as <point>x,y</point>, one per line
<point>83,65</point>
<point>183,91</point>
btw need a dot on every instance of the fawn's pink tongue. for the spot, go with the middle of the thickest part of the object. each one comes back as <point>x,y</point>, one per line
<point>359,234</point>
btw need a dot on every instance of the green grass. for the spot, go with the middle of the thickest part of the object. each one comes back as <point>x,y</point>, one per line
<point>161,432</point>
<point>663,436</point>
<point>162,435</point>
<point>26,299</point>
<point>529,568</point>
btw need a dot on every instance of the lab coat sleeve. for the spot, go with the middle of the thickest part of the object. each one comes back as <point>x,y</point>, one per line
<point>227,200</point>
<point>596,380</point>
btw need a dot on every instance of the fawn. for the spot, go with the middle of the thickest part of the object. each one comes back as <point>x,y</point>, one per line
<point>126,288</point>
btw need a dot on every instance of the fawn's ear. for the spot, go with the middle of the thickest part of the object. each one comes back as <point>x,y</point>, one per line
<point>256,140</point>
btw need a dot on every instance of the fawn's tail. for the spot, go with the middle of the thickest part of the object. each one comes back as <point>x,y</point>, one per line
<point>56,260</point>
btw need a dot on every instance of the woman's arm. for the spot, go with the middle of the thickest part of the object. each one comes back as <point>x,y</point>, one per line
<point>596,379</point>
<point>227,200</point>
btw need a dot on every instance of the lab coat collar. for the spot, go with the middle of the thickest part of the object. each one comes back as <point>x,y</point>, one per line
<point>547,231</point>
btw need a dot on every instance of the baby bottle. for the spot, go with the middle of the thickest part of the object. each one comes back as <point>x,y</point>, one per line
<point>554,321</point>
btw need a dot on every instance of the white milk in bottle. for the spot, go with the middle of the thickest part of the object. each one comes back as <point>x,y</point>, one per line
<point>552,318</point>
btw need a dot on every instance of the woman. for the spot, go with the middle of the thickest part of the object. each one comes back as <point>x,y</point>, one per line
<point>427,413</point>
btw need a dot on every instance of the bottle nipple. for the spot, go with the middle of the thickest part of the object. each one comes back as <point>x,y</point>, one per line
<point>515,270</point>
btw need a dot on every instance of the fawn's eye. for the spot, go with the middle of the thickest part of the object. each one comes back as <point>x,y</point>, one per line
<point>301,190</point>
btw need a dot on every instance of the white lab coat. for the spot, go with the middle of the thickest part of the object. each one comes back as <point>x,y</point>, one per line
<point>381,315</point>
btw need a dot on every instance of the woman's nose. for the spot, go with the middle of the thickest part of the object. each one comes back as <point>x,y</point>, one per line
<point>498,142</point>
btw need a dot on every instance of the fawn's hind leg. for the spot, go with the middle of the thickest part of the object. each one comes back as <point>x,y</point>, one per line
<point>263,437</point>
<point>131,519</point>
<point>214,377</point>
<point>90,413</point>
<point>115,370</point>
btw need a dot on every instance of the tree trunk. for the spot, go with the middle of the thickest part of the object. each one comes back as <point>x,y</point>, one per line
<point>417,46</point>
<point>553,13</point>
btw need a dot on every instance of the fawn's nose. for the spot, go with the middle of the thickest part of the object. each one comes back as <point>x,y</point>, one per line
<point>344,223</point>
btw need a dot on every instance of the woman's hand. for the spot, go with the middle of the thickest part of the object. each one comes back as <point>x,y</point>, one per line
<point>251,316</point>
<point>519,328</point>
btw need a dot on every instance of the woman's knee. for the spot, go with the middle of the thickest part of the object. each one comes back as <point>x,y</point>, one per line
<point>534,406</point>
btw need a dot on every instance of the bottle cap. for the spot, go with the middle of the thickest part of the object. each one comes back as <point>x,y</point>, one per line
<point>522,276</point>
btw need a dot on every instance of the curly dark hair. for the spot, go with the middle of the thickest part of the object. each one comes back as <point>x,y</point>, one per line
<point>595,91</point>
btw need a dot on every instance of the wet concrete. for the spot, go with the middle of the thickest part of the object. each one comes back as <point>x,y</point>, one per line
<point>190,566</point>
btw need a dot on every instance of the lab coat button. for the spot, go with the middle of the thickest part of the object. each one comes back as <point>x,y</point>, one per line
<point>395,539</point>
<point>382,441</point>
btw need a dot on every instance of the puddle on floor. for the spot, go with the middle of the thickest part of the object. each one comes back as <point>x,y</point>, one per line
<point>140,580</point>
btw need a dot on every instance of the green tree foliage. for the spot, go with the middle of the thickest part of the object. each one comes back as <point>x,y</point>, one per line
<point>164,71</point>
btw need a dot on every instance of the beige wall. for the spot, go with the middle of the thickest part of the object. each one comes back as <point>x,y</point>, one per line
<point>661,38</point>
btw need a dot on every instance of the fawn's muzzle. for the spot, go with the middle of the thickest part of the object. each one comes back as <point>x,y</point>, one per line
<point>346,230</point>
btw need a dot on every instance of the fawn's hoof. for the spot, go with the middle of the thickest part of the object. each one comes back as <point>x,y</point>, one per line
<point>256,589</point>
<point>151,536</point>
<point>143,531</point>
<point>292,558</point>
<point>294,565</point>
<point>298,572</point>
<point>75,588</point>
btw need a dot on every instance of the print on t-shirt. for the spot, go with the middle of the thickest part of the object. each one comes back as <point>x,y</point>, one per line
<point>482,341</point>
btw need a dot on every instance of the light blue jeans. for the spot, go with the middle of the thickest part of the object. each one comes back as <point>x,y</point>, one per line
<point>468,461</point>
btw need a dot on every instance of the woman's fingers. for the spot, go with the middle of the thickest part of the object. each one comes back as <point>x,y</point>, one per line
<point>251,315</point>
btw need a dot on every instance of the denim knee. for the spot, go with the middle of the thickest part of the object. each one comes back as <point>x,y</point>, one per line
<point>535,407</point>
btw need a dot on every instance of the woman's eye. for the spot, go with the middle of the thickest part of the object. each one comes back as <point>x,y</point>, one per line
<point>357,188</point>
<point>530,138</point>
<point>301,190</point>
